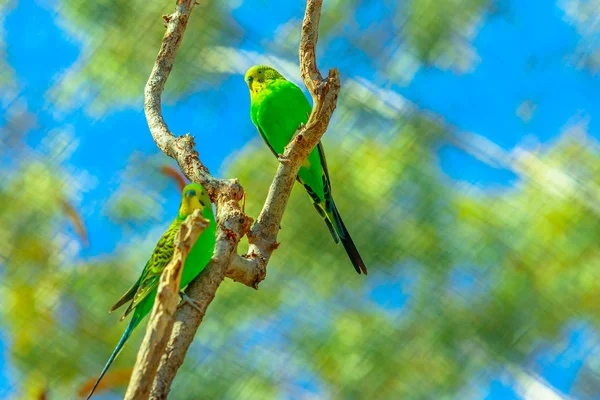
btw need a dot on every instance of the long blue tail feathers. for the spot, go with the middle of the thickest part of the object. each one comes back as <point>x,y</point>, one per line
<point>115,353</point>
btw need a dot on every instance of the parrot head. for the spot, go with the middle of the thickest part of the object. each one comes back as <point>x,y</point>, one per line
<point>259,76</point>
<point>193,197</point>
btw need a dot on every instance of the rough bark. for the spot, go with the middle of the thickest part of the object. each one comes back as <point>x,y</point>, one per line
<point>163,313</point>
<point>232,223</point>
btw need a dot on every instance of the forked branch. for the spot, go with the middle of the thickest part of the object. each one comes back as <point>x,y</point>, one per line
<point>232,223</point>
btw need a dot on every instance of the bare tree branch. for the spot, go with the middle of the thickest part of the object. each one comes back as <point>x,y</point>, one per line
<point>203,290</point>
<point>262,238</point>
<point>163,313</point>
<point>182,148</point>
<point>232,223</point>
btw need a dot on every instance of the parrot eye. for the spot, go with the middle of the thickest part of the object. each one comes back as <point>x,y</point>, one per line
<point>201,202</point>
<point>261,80</point>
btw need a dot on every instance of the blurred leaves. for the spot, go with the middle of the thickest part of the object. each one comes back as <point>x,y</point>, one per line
<point>138,195</point>
<point>120,42</point>
<point>175,174</point>
<point>77,221</point>
<point>531,259</point>
<point>6,72</point>
<point>440,31</point>
<point>585,15</point>
<point>118,378</point>
<point>536,255</point>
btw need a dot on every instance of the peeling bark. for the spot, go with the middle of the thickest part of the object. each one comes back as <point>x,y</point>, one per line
<point>232,224</point>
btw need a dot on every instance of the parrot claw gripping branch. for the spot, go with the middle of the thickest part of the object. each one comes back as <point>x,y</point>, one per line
<point>232,223</point>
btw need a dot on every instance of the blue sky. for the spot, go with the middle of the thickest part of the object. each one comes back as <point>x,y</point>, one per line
<point>520,58</point>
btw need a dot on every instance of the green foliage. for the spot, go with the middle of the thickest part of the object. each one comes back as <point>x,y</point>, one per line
<point>120,42</point>
<point>138,195</point>
<point>6,72</point>
<point>437,29</point>
<point>584,15</point>
<point>530,254</point>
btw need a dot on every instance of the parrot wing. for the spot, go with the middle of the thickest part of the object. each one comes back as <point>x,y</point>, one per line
<point>264,137</point>
<point>128,296</point>
<point>163,253</point>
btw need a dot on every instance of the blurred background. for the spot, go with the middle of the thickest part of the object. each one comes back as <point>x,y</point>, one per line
<point>464,158</point>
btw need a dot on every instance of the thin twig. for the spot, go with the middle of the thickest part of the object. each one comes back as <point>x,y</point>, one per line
<point>163,313</point>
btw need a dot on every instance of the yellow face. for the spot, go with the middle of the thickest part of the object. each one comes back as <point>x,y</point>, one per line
<point>259,76</point>
<point>194,197</point>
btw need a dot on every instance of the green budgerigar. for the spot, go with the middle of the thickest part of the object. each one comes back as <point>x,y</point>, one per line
<point>278,108</point>
<point>142,294</point>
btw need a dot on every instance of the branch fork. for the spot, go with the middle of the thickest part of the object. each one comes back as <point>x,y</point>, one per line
<point>232,223</point>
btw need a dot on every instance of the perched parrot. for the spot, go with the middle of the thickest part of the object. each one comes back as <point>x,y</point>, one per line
<point>278,108</point>
<point>142,294</point>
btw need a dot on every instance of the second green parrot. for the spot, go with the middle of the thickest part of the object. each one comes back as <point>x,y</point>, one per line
<point>142,294</point>
<point>278,108</point>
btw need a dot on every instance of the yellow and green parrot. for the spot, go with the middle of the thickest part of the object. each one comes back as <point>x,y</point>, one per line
<point>142,294</point>
<point>278,108</point>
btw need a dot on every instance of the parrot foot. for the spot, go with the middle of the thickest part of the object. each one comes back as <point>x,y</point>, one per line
<point>187,299</point>
<point>282,159</point>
